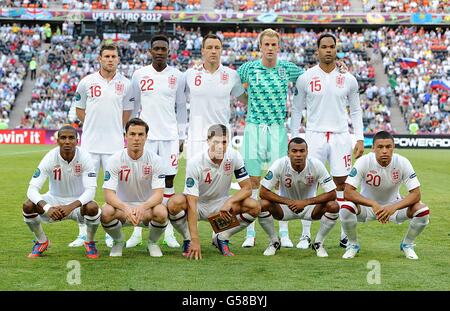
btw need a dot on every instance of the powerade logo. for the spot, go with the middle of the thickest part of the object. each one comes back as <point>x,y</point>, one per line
<point>422,142</point>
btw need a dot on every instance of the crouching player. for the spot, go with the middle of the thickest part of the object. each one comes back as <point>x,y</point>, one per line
<point>298,177</point>
<point>72,185</point>
<point>134,186</point>
<point>380,174</point>
<point>208,180</point>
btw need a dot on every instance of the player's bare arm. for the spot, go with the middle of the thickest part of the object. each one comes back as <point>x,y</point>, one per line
<point>271,196</point>
<point>126,116</point>
<point>244,193</point>
<point>298,205</point>
<point>81,114</point>
<point>412,198</point>
<point>192,216</point>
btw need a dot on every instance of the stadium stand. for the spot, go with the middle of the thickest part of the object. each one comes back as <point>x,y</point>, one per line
<point>283,6</point>
<point>418,65</point>
<point>430,6</point>
<point>163,5</point>
<point>18,45</point>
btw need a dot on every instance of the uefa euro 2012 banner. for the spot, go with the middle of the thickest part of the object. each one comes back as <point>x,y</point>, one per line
<point>48,137</point>
<point>227,17</point>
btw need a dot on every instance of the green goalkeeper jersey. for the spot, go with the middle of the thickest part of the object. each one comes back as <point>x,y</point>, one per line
<point>267,90</point>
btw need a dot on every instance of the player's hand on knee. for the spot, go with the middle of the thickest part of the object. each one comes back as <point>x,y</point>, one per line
<point>130,215</point>
<point>297,206</point>
<point>138,215</point>
<point>55,214</point>
<point>384,215</point>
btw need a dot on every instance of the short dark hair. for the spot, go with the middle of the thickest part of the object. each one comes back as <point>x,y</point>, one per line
<point>217,130</point>
<point>110,47</point>
<point>67,127</point>
<point>297,140</point>
<point>159,37</point>
<point>382,135</point>
<point>134,122</point>
<point>326,35</point>
<point>211,36</point>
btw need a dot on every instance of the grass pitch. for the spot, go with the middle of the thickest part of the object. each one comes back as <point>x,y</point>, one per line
<point>290,269</point>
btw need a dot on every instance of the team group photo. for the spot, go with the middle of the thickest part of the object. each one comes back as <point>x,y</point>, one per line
<point>195,154</point>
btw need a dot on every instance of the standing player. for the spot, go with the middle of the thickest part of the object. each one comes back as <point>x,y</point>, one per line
<point>209,90</point>
<point>104,104</point>
<point>208,180</point>
<point>159,92</point>
<point>265,136</point>
<point>299,176</point>
<point>380,174</point>
<point>72,185</point>
<point>325,92</point>
<point>134,187</point>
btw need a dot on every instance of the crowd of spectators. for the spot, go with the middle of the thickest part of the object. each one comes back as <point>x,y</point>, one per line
<point>424,106</point>
<point>407,6</point>
<point>18,44</point>
<point>323,6</point>
<point>165,5</point>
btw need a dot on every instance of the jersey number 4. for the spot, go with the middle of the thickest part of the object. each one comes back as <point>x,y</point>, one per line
<point>208,178</point>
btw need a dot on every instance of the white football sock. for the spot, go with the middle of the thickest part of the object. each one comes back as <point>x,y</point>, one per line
<point>156,230</point>
<point>82,229</point>
<point>417,224</point>
<point>283,228</point>
<point>35,226</point>
<point>92,223</point>
<point>306,227</point>
<point>266,221</point>
<point>327,223</point>
<point>349,222</point>
<point>179,222</point>
<point>114,229</point>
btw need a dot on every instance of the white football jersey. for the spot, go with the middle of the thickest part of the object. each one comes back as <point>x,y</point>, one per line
<point>134,180</point>
<point>160,101</point>
<point>66,180</point>
<point>209,95</point>
<point>209,181</point>
<point>379,183</point>
<point>298,185</point>
<point>326,97</point>
<point>104,103</point>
